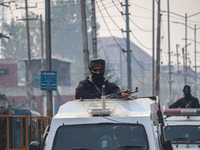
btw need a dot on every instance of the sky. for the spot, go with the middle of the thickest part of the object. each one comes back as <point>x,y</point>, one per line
<point>108,15</point>
<point>140,23</point>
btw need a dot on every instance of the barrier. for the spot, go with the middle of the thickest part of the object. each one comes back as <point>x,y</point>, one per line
<point>16,132</point>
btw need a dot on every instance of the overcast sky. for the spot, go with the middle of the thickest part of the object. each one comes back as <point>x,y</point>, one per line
<point>141,24</point>
<point>108,14</point>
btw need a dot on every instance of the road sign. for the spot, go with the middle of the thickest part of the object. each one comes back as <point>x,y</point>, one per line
<point>48,80</point>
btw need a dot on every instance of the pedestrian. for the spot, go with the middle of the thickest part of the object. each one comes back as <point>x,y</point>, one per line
<point>91,87</point>
<point>188,101</point>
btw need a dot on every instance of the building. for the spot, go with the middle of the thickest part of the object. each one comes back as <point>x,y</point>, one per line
<point>17,93</point>
<point>8,73</point>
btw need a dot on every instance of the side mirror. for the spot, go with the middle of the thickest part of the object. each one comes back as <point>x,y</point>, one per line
<point>34,145</point>
<point>167,145</point>
<point>160,118</point>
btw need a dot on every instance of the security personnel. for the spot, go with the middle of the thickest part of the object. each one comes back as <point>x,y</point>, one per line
<point>188,101</point>
<point>91,87</point>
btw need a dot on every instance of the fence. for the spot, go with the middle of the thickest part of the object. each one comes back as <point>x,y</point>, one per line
<point>16,132</point>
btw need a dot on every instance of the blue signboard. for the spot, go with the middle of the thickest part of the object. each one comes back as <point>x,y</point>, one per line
<point>48,80</point>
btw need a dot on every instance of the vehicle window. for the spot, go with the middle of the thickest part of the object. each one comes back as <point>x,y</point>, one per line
<point>101,136</point>
<point>182,133</point>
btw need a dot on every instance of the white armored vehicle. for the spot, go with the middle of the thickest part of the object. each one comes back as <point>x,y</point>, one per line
<point>104,124</point>
<point>182,128</point>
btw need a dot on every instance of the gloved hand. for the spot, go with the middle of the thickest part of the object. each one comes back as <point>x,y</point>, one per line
<point>125,95</point>
<point>98,95</point>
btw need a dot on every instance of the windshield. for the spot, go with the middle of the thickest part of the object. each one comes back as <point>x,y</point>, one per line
<point>101,137</point>
<point>183,133</point>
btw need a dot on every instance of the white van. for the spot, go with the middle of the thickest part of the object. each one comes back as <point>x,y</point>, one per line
<point>182,128</point>
<point>95,124</point>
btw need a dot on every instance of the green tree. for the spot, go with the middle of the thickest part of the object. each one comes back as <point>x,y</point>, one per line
<point>67,34</point>
<point>16,46</point>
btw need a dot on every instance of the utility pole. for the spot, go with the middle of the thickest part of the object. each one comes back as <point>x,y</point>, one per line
<point>178,72</point>
<point>169,51</point>
<point>185,17</point>
<point>195,61</point>
<point>129,81</point>
<point>85,39</point>
<point>158,53</point>
<point>153,49</point>
<point>42,47</point>
<point>29,82</point>
<point>186,49</point>
<point>48,53</point>
<point>42,50</point>
<point>184,62</point>
<point>94,32</point>
<point>177,55</point>
<point>128,48</point>
<point>183,53</point>
<point>195,29</point>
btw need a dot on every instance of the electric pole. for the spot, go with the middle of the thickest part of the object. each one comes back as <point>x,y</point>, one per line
<point>186,49</point>
<point>29,82</point>
<point>195,61</point>
<point>158,53</point>
<point>169,51</point>
<point>94,34</point>
<point>85,39</point>
<point>128,48</point>
<point>48,53</point>
<point>129,81</point>
<point>153,49</point>
<point>178,72</point>
<point>42,47</point>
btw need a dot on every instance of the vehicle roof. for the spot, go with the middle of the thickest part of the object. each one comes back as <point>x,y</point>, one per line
<point>77,112</point>
<point>182,120</point>
<point>81,109</point>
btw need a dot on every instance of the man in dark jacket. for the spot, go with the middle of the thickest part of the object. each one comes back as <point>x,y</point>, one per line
<point>188,101</point>
<point>91,87</point>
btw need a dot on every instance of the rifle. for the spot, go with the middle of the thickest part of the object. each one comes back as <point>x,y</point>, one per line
<point>118,94</point>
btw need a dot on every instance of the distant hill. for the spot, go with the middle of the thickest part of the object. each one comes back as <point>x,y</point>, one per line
<point>110,49</point>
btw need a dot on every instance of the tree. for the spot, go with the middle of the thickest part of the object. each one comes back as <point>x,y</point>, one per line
<point>16,46</point>
<point>66,34</point>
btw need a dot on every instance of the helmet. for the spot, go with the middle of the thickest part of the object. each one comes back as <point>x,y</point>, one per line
<point>186,89</point>
<point>97,62</point>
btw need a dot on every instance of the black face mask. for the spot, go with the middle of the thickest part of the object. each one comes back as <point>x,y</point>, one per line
<point>187,96</point>
<point>98,77</point>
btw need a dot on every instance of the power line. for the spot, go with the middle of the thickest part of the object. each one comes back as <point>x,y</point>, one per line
<point>118,45</point>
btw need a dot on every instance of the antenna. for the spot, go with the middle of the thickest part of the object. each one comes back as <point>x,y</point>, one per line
<point>103,97</point>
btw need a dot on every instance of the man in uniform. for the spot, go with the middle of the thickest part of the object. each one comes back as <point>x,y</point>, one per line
<point>91,87</point>
<point>188,101</point>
